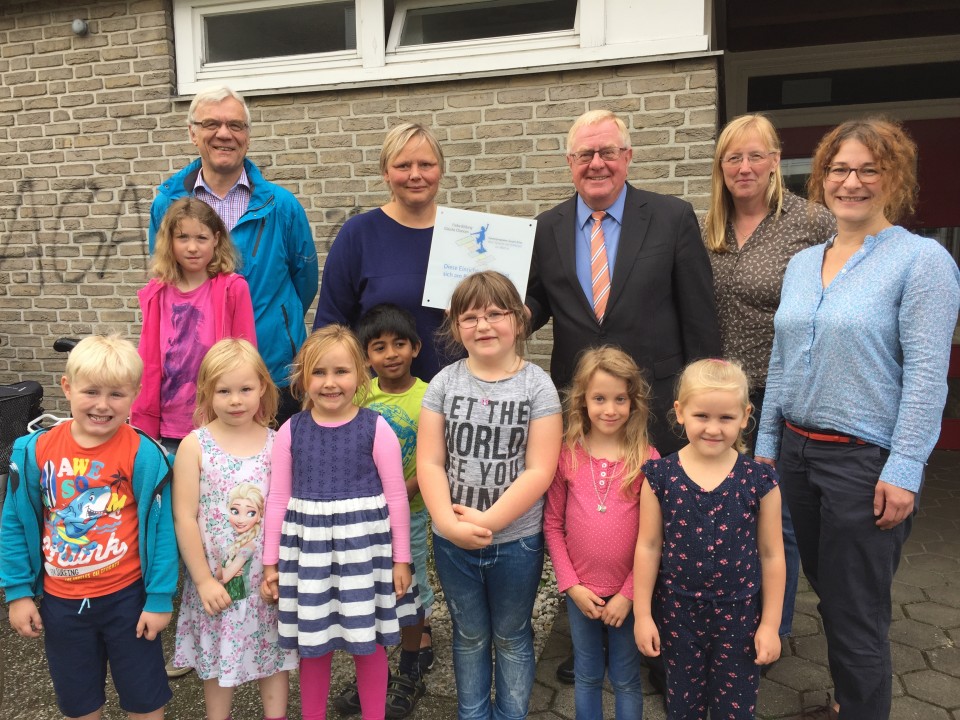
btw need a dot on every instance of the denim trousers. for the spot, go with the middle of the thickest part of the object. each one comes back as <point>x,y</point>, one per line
<point>849,561</point>
<point>490,593</point>
<point>791,555</point>
<point>419,522</point>
<point>790,552</point>
<point>589,665</point>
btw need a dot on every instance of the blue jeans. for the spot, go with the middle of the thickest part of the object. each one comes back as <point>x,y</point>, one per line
<point>490,593</point>
<point>792,555</point>
<point>790,551</point>
<point>419,521</point>
<point>589,665</point>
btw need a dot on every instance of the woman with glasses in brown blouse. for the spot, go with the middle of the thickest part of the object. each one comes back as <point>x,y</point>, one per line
<point>752,229</point>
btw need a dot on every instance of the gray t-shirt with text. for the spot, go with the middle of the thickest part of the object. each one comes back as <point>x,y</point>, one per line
<point>487,425</point>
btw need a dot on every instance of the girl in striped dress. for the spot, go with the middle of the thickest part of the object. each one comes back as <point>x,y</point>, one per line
<point>337,527</point>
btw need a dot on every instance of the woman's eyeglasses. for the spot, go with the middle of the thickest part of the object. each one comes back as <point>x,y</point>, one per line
<point>839,174</point>
<point>754,158</point>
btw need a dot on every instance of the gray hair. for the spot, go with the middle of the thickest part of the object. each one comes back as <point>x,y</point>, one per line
<point>215,95</point>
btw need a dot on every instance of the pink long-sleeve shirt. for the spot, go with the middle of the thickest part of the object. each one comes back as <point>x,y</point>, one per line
<point>588,547</point>
<point>387,458</point>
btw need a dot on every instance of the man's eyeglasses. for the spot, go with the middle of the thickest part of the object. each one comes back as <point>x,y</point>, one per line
<point>234,126</point>
<point>492,318</point>
<point>754,158</point>
<point>607,154</point>
<point>839,174</point>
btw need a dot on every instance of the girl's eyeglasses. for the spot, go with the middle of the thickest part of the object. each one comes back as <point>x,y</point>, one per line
<point>492,318</point>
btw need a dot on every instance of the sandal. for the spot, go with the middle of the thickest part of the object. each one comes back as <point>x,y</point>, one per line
<point>348,701</point>
<point>403,692</point>
<point>425,658</point>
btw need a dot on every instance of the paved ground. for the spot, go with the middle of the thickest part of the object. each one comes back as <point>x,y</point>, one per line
<point>925,635</point>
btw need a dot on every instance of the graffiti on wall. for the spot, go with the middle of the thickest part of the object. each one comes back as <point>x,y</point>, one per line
<point>94,217</point>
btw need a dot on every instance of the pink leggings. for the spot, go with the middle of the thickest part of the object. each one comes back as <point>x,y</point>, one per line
<point>371,684</point>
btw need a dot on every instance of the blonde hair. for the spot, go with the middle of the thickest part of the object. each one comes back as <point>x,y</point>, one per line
<point>712,375</point>
<point>635,442</point>
<point>225,257</point>
<point>316,346</point>
<point>226,356</point>
<point>397,139</point>
<point>595,117</point>
<point>105,360</point>
<point>721,202</point>
<point>893,151</point>
<point>245,491</point>
<point>478,291</point>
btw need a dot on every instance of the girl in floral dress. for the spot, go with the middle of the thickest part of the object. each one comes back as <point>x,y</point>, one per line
<point>221,477</point>
<point>710,538</point>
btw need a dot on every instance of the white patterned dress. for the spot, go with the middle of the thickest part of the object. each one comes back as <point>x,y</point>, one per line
<point>240,643</point>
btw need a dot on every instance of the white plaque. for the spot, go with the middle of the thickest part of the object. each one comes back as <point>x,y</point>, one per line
<point>466,242</point>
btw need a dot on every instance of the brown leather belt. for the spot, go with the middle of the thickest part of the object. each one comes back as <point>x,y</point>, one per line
<point>824,436</point>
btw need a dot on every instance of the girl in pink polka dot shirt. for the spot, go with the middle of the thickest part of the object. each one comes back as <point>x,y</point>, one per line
<point>591,522</point>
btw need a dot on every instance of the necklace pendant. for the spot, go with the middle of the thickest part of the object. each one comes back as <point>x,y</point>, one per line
<point>484,401</point>
<point>601,508</point>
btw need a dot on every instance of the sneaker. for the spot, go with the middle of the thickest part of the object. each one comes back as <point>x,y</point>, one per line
<point>348,701</point>
<point>403,693</point>
<point>177,672</point>
<point>821,712</point>
<point>425,659</point>
<point>565,671</point>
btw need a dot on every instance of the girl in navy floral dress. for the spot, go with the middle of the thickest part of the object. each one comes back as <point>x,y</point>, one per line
<point>710,538</point>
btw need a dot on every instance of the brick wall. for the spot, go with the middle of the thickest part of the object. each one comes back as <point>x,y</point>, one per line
<point>89,126</point>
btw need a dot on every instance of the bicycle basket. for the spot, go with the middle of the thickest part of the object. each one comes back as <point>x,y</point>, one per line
<point>19,404</point>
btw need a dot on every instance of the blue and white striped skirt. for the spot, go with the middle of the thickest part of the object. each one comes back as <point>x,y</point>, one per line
<point>336,578</point>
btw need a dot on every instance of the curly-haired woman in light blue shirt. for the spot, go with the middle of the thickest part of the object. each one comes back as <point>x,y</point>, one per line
<point>855,392</point>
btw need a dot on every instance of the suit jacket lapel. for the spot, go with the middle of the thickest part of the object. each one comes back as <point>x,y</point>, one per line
<point>565,236</point>
<point>636,221</point>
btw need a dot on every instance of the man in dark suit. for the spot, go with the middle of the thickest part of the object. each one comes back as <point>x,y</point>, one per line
<point>621,266</point>
<point>659,307</point>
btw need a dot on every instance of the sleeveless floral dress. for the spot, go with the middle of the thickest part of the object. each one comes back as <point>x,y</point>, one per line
<point>239,644</point>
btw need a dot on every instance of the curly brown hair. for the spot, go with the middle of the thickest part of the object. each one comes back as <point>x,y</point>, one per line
<point>635,445</point>
<point>894,152</point>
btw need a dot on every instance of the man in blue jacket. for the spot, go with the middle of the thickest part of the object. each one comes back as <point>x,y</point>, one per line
<point>266,223</point>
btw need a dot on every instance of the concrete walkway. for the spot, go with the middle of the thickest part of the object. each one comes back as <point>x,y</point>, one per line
<point>925,635</point>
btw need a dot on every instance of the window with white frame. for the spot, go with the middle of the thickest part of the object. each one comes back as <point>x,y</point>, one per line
<point>425,22</point>
<point>270,45</point>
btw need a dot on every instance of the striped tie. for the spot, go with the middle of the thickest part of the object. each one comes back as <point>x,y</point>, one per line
<point>599,269</point>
